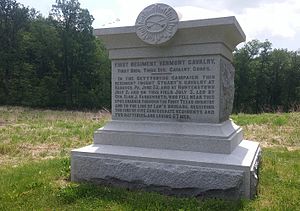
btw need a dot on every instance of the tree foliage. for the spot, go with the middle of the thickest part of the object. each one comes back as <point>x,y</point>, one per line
<point>13,21</point>
<point>266,80</point>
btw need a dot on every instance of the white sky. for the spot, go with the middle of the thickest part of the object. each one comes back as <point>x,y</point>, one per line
<point>275,20</point>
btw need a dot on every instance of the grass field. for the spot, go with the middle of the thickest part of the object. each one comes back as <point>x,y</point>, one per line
<point>35,165</point>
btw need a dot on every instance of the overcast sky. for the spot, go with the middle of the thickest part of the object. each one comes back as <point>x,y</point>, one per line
<point>275,20</point>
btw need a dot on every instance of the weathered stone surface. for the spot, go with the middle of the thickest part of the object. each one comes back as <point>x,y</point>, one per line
<point>171,179</point>
<point>227,89</point>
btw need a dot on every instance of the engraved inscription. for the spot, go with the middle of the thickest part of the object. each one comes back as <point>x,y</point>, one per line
<point>169,89</point>
<point>156,24</point>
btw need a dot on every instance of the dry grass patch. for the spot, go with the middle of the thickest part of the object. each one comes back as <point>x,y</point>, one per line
<point>263,134</point>
<point>33,134</point>
<point>272,130</point>
<point>6,160</point>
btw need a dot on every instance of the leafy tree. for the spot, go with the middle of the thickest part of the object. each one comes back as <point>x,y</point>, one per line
<point>41,49</point>
<point>245,61</point>
<point>14,19</point>
<point>263,75</point>
<point>77,47</point>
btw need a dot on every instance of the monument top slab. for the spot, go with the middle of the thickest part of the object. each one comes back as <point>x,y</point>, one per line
<point>211,22</point>
<point>216,36</point>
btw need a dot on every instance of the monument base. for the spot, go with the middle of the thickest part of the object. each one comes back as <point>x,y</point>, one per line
<point>172,172</point>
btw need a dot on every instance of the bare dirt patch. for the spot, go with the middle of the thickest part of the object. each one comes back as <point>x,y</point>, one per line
<point>41,150</point>
<point>3,123</point>
<point>102,114</point>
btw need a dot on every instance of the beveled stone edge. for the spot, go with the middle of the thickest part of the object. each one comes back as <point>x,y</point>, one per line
<point>240,158</point>
<point>170,141</point>
<point>164,127</point>
<point>230,20</point>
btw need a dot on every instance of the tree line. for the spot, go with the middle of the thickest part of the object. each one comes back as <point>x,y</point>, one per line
<point>56,62</point>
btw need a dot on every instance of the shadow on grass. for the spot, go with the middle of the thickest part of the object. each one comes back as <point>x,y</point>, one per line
<point>137,200</point>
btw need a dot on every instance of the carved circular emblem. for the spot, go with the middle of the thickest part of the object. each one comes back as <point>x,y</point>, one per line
<point>156,24</point>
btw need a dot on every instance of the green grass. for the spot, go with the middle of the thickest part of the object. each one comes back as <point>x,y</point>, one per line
<point>35,165</point>
<point>278,119</point>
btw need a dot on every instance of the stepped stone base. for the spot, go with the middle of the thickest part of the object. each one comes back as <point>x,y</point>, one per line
<point>188,136</point>
<point>173,172</point>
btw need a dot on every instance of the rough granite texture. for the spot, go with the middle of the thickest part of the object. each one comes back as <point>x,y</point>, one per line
<point>171,179</point>
<point>227,88</point>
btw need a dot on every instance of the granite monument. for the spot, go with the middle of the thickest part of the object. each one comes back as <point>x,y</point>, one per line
<point>172,94</point>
